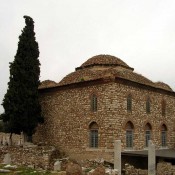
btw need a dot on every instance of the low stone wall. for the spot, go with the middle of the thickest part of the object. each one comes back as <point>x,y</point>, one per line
<point>165,168</point>
<point>129,169</point>
<point>33,156</point>
<point>4,139</point>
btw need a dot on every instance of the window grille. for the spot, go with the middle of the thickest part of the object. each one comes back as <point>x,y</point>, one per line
<point>163,108</point>
<point>129,138</point>
<point>129,134</point>
<point>147,137</point>
<point>94,138</point>
<point>94,103</point>
<point>148,106</point>
<point>164,142</point>
<point>93,135</point>
<point>164,135</point>
<point>129,103</point>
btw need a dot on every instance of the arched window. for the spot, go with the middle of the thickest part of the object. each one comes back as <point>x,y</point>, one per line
<point>93,137</point>
<point>129,134</point>
<point>163,107</point>
<point>94,103</point>
<point>129,103</point>
<point>148,106</point>
<point>164,135</point>
<point>147,133</point>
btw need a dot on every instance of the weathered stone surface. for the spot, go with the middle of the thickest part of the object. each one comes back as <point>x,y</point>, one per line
<point>73,169</point>
<point>143,172</point>
<point>10,167</point>
<point>70,119</point>
<point>117,156</point>
<point>58,173</point>
<point>111,171</point>
<point>131,170</point>
<point>151,159</point>
<point>37,157</point>
<point>98,171</point>
<point>57,166</point>
<point>7,159</point>
<point>164,168</point>
<point>4,171</point>
<point>68,115</point>
<point>4,138</point>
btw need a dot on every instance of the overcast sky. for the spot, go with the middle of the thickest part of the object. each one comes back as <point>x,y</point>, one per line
<point>140,32</point>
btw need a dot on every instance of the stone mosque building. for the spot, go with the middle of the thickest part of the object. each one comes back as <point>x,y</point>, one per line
<point>105,100</point>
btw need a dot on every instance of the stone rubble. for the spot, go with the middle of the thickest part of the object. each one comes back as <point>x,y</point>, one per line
<point>73,169</point>
<point>39,157</point>
<point>57,166</point>
<point>131,170</point>
<point>10,167</point>
<point>43,158</point>
<point>7,159</point>
<point>165,168</point>
<point>98,171</point>
<point>4,171</point>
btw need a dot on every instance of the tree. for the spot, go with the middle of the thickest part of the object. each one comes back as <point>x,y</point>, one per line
<point>22,111</point>
<point>1,124</point>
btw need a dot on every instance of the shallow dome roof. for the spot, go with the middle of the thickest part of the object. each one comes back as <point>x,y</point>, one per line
<point>104,60</point>
<point>104,67</point>
<point>47,84</point>
<point>163,85</point>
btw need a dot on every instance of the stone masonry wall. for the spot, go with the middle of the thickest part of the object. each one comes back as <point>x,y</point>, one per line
<point>163,168</point>
<point>15,138</point>
<point>68,115</point>
<point>36,157</point>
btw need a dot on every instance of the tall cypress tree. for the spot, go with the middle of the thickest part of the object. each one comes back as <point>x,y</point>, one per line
<point>22,111</point>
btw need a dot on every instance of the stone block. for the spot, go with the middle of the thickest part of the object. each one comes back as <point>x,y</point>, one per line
<point>57,166</point>
<point>7,159</point>
<point>73,169</point>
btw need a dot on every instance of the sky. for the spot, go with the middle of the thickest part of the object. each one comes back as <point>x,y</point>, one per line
<point>140,32</point>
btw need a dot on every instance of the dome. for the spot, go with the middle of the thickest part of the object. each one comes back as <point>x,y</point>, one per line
<point>104,60</point>
<point>47,84</point>
<point>163,85</point>
<point>104,67</point>
<point>93,74</point>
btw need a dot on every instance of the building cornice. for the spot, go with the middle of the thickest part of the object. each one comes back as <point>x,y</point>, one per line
<point>105,80</point>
